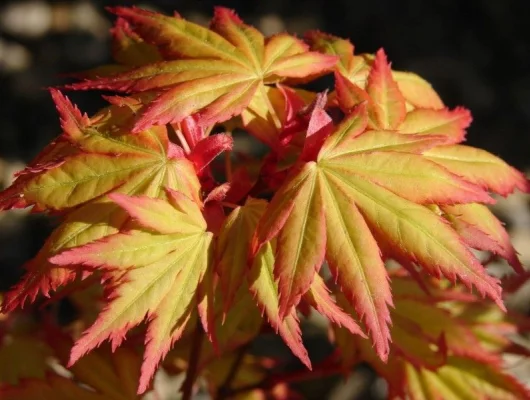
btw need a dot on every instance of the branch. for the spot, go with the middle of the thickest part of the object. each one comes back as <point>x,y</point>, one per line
<point>225,391</point>
<point>193,365</point>
<point>321,371</point>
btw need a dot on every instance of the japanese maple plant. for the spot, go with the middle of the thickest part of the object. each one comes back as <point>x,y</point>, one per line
<point>361,206</point>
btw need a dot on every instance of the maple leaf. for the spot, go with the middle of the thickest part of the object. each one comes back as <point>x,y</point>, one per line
<point>440,349</point>
<point>214,72</point>
<point>35,366</point>
<point>265,289</point>
<point>450,124</point>
<point>233,328</point>
<point>156,271</point>
<point>273,113</point>
<point>91,159</point>
<point>480,167</point>
<point>232,268</point>
<point>382,176</point>
<point>481,230</point>
<point>462,378</point>
<point>101,156</point>
<point>111,377</point>
<point>417,92</point>
<point>362,189</point>
<point>232,255</point>
<point>21,357</point>
<point>129,49</point>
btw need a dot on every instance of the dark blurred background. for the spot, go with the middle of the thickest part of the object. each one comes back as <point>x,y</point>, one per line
<point>475,53</point>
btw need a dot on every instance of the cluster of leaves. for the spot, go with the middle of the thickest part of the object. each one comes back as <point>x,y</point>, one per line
<point>210,248</point>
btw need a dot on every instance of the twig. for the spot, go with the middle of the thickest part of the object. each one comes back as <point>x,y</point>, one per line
<point>321,371</point>
<point>193,365</point>
<point>225,391</point>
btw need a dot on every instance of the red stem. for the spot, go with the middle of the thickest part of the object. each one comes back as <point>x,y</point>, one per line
<point>320,371</point>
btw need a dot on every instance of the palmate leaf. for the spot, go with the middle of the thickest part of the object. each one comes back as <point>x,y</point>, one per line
<point>214,72</point>
<point>232,266</point>
<point>440,349</point>
<point>32,366</point>
<point>156,272</point>
<point>94,157</point>
<point>104,376</point>
<point>417,92</point>
<point>91,159</point>
<point>459,378</point>
<point>383,177</point>
<point>363,189</point>
<point>462,378</point>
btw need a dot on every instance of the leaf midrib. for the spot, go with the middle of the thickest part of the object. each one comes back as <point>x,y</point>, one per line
<point>92,177</point>
<point>303,228</point>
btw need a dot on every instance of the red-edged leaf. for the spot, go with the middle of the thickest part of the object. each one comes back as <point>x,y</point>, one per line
<point>403,172</point>
<point>350,95</point>
<point>384,92</point>
<point>319,128</point>
<point>103,159</point>
<point>232,255</point>
<point>246,38</point>
<point>168,268</point>
<point>214,73</point>
<point>73,122</point>
<point>155,214</point>
<point>99,162</point>
<point>335,192</point>
<point>265,290</point>
<point>319,298</point>
<point>451,124</point>
<point>206,305</point>
<point>355,68</point>
<point>176,37</point>
<point>298,258</point>
<point>128,48</point>
<point>333,45</point>
<point>208,148</point>
<point>417,91</point>
<point>420,235</point>
<point>480,167</point>
<point>350,128</point>
<point>462,378</point>
<point>356,264</point>
<point>481,230</point>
